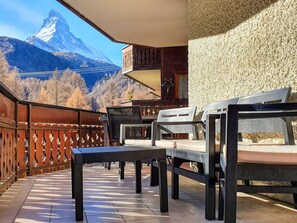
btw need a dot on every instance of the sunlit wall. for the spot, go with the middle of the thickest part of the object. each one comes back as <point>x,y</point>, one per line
<point>240,47</point>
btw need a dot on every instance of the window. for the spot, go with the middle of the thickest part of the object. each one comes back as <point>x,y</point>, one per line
<point>181,85</point>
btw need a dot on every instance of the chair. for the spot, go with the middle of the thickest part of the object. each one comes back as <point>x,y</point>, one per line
<point>261,162</point>
<point>206,152</point>
<point>195,150</point>
<point>122,115</point>
<point>181,120</point>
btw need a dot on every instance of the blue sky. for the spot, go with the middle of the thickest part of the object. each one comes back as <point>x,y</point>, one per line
<point>22,18</point>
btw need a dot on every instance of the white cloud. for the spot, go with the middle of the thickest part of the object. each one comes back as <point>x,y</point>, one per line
<point>24,12</point>
<point>12,31</point>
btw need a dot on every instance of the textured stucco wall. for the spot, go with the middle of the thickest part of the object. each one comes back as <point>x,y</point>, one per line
<point>240,47</point>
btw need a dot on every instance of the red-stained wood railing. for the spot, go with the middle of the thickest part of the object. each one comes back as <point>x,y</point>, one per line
<point>37,138</point>
<point>46,135</point>
<point>8,132</point>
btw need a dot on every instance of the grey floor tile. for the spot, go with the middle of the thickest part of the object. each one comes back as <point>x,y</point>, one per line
<point>47,198</point>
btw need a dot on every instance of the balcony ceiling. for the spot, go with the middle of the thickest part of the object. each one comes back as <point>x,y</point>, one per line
<point>154,23</point>
<point>148,78</point>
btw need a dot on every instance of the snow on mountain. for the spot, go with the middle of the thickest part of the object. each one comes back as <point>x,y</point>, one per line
<point>55,36</point>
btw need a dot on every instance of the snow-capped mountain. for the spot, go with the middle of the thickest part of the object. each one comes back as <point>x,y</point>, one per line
<point>55,36</point>
<point>32,61</point>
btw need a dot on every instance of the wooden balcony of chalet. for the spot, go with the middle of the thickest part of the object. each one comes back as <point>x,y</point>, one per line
<point>140,58</point>
<point>143,64</point>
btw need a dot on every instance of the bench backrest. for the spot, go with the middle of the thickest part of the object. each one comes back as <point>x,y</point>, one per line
<point>217,107</point>
<point>188,114</point>
<point>279,125</point>
<point>177,115</point>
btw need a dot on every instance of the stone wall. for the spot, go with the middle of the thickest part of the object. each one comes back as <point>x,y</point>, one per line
<point>240,47</point>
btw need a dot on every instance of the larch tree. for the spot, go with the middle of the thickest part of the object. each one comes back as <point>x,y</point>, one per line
<point>55,88</point>
<point>4,68</point>
<point>78,100</point>
<point>32,88</point>
<point>14,83</point>
<point>44,97</point>
<point>77,81</point>
<point>71,81</point>
<point>10,78</point>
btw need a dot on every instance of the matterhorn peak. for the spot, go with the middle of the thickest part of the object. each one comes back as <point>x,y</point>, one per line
<point>57,19</point>
<point>52,25</point>
<point>55,36</point>
<point>53,13</point>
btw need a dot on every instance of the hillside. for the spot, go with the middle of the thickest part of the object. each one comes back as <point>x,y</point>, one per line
<point>32,61</point>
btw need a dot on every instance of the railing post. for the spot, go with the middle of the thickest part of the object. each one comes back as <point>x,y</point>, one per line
<point>16,124</point>
<point>28,136</point>
<point>79,129</point>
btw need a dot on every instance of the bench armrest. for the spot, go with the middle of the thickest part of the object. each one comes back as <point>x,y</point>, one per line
<point>177,123</point>
<point>156,128</point>
<point>123,130</point>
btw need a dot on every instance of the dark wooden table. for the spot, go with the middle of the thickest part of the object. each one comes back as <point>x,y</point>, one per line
<point>135,154</point>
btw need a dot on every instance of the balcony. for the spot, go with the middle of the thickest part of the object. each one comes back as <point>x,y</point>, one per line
<point>143,64</point>
<point>36,141</point>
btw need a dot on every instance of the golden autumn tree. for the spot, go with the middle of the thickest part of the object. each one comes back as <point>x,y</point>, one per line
<point>54,88</point>
<point>13,82</point>
<point>44,97</point>
<point>78,100</point>
<point>10,77</point>
<point>4,68</point>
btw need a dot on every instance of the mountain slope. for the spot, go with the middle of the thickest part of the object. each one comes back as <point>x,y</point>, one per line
<point>29,58</point>
<point>55,36</point>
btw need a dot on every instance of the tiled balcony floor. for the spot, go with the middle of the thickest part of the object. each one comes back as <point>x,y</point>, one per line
<point>47,198</point>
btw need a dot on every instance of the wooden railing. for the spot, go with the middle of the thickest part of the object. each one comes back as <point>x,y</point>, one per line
<point>37,138</point>
<point>152,107</point>
<point>8,137</point>
<point>140,58</point>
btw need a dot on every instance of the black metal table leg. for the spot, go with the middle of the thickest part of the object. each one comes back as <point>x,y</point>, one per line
<point>154,175</point>
<point>138,176</point>
<point>176,163</point>
<point>72,178</point>
<point>78,187</point>
<point>122,170</point>
<point>163,191</point>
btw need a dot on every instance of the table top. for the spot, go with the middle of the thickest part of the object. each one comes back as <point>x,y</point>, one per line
<point>116,153</point>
